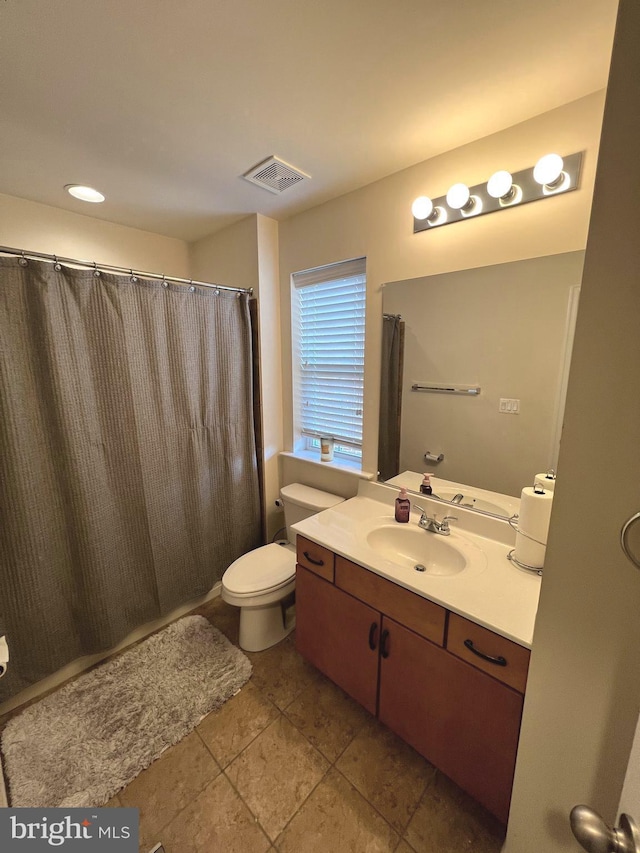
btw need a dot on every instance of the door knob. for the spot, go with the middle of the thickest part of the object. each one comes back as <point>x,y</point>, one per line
<point>595,836</point>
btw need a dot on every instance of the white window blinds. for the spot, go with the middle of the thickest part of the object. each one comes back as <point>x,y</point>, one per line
<point>328,325</point>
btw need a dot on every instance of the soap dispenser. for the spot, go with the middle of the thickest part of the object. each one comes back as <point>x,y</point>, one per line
<point>425,485</point>
<point>403,506</point>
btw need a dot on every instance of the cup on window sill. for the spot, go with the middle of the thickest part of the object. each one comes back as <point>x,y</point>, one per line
<point>326,448</point>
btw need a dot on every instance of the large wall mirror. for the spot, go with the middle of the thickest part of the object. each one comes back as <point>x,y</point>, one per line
<point>507,329</point>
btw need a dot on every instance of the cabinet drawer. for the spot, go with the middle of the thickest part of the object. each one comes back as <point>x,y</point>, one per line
<point>315,558</point>
<point>509,662</point>
<point>417,613</point>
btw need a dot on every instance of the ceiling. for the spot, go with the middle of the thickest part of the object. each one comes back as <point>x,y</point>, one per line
<point>163,104</point>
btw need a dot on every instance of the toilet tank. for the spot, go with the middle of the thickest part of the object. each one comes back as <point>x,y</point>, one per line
<point>300,502</point>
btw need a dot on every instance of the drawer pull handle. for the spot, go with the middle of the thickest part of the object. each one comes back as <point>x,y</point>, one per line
<point>373,630</point>
<point>499,661</point>
<point>384,644</point>
<point>311,560</point>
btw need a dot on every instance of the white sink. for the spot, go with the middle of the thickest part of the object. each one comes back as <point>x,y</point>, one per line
<point>410,546</point>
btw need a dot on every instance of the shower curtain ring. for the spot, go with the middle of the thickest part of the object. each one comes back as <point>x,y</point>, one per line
<point>23,261</point>
<point>165,283</point>
<point>56,264</point>
<point>134,278</point>
<point>96,271</point>
<point>191,287</point>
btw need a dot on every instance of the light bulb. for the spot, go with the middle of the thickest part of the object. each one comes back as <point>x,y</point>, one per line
<point>500,184</point>
<point>422,207</point>
<point>84,193</point>
<point>548,169</point>
<point>458,196</point>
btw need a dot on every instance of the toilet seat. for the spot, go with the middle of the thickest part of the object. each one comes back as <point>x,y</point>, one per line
<point>263,570</point>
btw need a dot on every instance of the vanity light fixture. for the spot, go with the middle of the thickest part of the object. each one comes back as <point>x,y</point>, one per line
<point>551,175</point>
<point>84,193</point>
<point>459,197</point>
<point>423,209</point>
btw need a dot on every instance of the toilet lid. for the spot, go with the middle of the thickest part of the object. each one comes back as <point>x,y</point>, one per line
<point>260,570</point>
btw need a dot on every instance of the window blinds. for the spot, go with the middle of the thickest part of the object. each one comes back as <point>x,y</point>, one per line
<point>329,344</point>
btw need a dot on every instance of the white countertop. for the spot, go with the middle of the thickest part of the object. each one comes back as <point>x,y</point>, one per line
<point>494,593</point>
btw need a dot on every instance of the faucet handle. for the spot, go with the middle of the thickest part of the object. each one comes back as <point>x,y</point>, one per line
<point>444,524</point>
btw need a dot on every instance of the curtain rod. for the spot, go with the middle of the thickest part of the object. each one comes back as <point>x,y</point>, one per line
<point>23,253</point>
<point>392,316</point>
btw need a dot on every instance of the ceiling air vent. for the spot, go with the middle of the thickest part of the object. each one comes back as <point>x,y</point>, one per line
<point>275,175</point>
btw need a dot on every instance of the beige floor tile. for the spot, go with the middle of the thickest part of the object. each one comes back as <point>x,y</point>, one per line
<point>230,729</point>
<point>337,818</point>
<point>224,616</point>
<point>276,773</point>
<point>387,772</point>
<point>449,821</point>
<point>217,820</point>
<point>281,673</point>
<point>165,788</point>
<point>327,717</point>
<point>403,847</point>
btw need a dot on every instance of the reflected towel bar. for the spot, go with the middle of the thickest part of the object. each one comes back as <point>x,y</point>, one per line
<point>442,388</point>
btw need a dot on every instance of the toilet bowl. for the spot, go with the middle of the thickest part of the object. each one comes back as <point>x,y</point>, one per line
<point>261,583</point>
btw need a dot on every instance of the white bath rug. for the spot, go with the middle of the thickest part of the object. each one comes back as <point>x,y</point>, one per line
<point>81,744</point>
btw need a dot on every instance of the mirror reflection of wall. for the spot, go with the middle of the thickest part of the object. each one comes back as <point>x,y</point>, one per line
<point>505,328</point>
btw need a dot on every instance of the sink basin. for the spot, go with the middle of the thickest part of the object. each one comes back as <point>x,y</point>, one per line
<point>410,547</point>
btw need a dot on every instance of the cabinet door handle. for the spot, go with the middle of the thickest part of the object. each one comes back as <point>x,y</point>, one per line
<point>499,661</point>
<point>384,644</point>
<point>311,560</point>
<point>373,630</point>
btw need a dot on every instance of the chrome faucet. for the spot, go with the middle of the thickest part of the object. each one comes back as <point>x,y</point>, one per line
<point>456,499</point>
<point>432,525</point>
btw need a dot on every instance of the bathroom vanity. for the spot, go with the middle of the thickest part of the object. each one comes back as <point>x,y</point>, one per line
<point>410,646</point>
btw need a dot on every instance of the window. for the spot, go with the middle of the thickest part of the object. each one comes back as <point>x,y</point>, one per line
<point>328,314</point>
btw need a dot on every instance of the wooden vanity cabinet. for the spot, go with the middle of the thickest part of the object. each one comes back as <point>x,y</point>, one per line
<point>429,675</point>
<point>339,635</point>
<point>466,723</point>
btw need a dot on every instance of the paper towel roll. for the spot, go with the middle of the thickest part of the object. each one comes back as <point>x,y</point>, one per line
<point>4,655</point>
<point>533,527</point>
<point>547,483</point>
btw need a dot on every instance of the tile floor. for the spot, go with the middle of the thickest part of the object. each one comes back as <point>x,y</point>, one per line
<point>292,764</point>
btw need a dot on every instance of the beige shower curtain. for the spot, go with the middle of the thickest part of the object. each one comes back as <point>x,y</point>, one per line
<point>128,479</point>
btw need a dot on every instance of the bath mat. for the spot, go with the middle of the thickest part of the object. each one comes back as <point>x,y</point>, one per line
<point>81,744</point>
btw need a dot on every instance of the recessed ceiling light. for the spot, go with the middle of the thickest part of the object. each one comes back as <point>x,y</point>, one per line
<point>84,193</point>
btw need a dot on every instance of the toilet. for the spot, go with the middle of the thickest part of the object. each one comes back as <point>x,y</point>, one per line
<point>261,582</point>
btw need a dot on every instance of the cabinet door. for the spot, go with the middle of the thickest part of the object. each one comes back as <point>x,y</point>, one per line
<point>339,635</point>
<point>463,721</point>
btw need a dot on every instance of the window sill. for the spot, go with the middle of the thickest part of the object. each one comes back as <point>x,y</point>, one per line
<point>344,465</point>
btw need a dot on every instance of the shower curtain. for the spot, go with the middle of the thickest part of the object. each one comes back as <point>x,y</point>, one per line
<point>128,476</point>
<point>390,396</point>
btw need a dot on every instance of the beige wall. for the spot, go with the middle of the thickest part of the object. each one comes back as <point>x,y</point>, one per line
<point>583,691</point>
<point>228,257</point>
<point>376,222</point>
<point>39,228</point>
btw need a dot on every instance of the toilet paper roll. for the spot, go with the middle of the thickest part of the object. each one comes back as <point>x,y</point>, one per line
<point>547,483</point>
<point>4,655</point>
<point>533,527</point>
